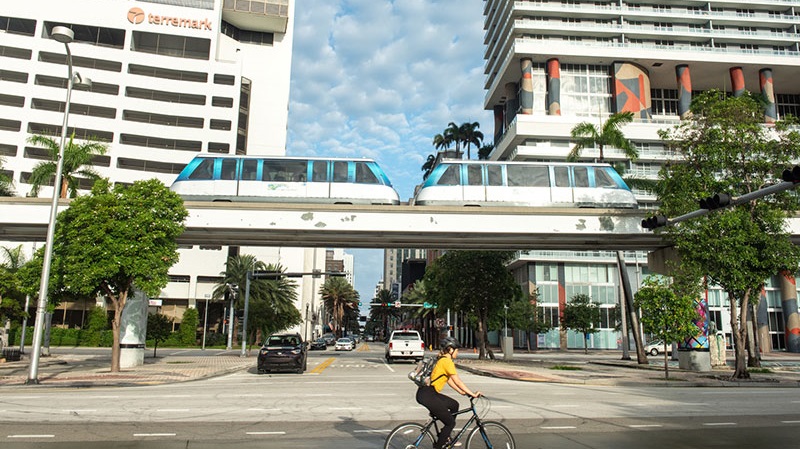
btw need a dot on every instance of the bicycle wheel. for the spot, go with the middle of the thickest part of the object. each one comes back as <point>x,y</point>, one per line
<point>409,435</point>
<point>492,435</point>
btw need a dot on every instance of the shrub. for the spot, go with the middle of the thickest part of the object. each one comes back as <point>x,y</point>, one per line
<point>188,330</point>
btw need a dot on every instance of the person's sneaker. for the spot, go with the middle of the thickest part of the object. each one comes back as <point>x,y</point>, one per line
<point>450,445</point>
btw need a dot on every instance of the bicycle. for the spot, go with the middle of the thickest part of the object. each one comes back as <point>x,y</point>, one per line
<point>485,435</point>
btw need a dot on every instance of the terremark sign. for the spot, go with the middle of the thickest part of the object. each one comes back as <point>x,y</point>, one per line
<point>137,16</point>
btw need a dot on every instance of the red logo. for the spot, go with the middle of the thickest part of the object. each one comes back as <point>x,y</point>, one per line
<point>136,16</point>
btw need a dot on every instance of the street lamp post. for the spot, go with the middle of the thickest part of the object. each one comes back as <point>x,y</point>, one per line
<point>65,36</point>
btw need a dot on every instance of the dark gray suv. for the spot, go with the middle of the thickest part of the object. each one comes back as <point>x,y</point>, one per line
<point>283,352</point>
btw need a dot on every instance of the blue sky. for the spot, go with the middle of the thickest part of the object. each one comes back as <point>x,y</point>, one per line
<point>380,78</point>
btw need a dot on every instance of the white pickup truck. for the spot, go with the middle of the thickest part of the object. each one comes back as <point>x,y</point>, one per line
<point>405,345</point>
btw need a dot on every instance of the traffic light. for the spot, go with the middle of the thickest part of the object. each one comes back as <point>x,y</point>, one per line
<point>655,221</point>
<point>792,174</point>
<point>715,202</point>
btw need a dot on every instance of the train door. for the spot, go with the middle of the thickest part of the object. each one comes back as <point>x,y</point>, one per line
<point>584,194</point>
<point>320,186</point>
<point>340,186</point>
<point>473,185</point>
<point>561,186</point>
<point>249,174</point>
<point>227,186</point>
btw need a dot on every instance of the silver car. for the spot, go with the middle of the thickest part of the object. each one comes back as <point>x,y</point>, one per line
<point>344,344</point>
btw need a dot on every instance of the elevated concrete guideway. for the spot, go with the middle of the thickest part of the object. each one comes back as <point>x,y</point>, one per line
<point>349,226</point>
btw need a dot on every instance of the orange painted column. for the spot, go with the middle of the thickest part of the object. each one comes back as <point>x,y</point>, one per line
<point>789,305</point>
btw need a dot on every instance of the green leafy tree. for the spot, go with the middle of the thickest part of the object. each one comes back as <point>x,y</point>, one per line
<point>382,316</point>
<point>581,314</point>
<point>474,282</point>
<point>666,314</point>
<point>187,332</point>
<point>524,315</point>
<point>12,297</point>
<point>726,148</point>
<point>234,280</point>
<point>485,151</point>
<point>339,298</point>
<point>159,328</point>
<point>115,240</point>
<point>76,166</point>
<point>587,134</point>
<point>6,183</point>
<point>273,309</point>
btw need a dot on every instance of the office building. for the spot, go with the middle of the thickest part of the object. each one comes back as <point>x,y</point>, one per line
<point>551,64</point>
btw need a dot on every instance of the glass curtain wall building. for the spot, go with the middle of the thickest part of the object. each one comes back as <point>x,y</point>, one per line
<point>551,64</point>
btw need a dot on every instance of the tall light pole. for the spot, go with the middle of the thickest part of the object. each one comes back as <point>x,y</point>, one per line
<point>65,36</point>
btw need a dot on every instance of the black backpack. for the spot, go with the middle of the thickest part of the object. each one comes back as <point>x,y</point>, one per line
<point>421,375</point>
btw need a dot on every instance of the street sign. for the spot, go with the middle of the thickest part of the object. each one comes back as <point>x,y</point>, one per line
<point>398,304</point>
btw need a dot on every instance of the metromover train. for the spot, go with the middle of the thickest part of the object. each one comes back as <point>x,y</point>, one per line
<point>361,181</point>
<point>530,184</point>
<point>284,179</point>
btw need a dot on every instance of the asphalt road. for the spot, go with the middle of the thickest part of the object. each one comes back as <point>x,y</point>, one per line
<point>352,400</point>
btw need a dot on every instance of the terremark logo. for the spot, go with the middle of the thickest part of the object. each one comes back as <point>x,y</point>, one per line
<point>136,16</point>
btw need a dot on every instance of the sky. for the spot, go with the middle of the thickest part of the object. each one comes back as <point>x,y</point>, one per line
<point>378,79</point>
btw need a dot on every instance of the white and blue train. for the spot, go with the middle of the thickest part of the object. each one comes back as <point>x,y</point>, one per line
<point>284,179</point>
<point>530,184</point>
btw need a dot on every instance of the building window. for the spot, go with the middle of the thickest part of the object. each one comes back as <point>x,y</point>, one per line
<point>12,100</point>
<point>150,166</point>
<point>14,77</point>
<point>222,102</point>
<point>219,147</point>
<point>80,61</point>
<point>227,80</point>
<point>15,25</point>
<point>248,37</point>
<point>158,72</point>
<point>10,125</point>
<point>74,108</point>
<point>171,45</point>
<point>61,83</point>
<point>160,95</point>
<point>224,125</point>
<point>14,52</point>
<point>8,150</point>
<point>80,133</point>
<point>161,143</point>
<point>87,34</point>
<point>162,119</point>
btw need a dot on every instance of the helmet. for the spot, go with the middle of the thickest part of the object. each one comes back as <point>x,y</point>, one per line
<point>449,342</point>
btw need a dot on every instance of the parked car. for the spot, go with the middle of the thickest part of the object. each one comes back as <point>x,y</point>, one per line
<point>283,352</point>
<point>344,344</point>
<point>405,345</point>
<point>657,347</point>
<point>319,343</point>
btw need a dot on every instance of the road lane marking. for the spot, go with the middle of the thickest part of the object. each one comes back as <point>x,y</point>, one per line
<point>265,433</point>
<point>102,397</point>
<point>344,408</point>
<point>321,367</point>
<point>558,427</point>
<point>263,409</point>
<point>170,410</point>
<point>154,434</point>
<point>31,436</point>
<point>372,431</point>
<point>79,411</point>
<point>643,426</point>
<point>790,422</point>
<point>719,423</point>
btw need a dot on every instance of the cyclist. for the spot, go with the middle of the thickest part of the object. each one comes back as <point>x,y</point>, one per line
<point>442,407</point>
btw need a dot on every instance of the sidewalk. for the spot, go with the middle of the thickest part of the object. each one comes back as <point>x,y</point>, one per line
<point>778,369</point>
<point>553,366</point>
<point>94,370</point>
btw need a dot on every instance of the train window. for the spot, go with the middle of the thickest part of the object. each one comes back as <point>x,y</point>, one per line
<point>364,175</point>
<point>320,173</point>
<point>474,175</point>
<point>527,176</point>
<point>451,176</point>
<point>249,169</point>
<point>204,170</point>
<point>340,171</point>
<point>581,175</point>
<point>602,179</point>
<point>228,169</point>
<point>494,174</point>
<point>284,171</point>
<point>562,176</point>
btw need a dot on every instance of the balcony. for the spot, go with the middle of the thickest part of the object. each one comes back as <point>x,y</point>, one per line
<point>268,16</point>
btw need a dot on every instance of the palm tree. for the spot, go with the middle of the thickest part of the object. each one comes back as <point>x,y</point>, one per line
<point>427,167</point>
<point>440,141</point>
<point>588,135</point>
<point>338,296</point>
<point>470,135</point>
<point>235,275</point>
<point>77,158</point>
<point>453,134</point>
<point>6,183</point>
<point>485,151</point>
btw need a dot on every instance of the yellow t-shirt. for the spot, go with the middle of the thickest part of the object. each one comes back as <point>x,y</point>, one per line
<point>442,371</point>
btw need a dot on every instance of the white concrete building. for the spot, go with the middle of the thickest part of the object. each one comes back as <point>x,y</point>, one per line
<point>170,79</point>
<point>551,64</point>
